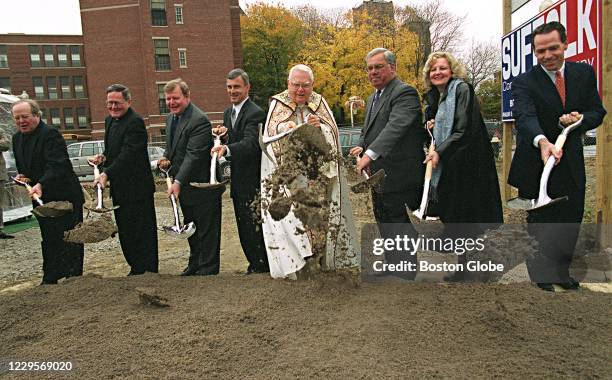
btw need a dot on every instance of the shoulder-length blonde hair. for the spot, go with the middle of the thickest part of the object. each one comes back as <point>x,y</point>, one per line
<point>456,67</point>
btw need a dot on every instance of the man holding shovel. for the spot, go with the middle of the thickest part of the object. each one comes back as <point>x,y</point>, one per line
<point>42,158</point>
<point>241,122</point>
<point>392,139</point>
<point>126,165</point>
<point>187,157</point>
<point>550,97</point>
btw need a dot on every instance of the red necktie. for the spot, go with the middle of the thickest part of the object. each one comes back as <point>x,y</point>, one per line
<point>560,84</point>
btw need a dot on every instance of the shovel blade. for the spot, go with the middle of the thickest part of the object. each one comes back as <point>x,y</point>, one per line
<point>184,232</point>
<point>374,180</point>
<point>525,204</point>
<point>209,186</point>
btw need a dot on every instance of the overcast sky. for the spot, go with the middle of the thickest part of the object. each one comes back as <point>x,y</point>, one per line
<point>63,17</point>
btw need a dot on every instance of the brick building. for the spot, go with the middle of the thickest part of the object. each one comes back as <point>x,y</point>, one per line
<point>51,70</point>
<point>140,43</point>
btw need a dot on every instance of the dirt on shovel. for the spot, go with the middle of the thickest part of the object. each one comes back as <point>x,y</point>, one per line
<point>53,209</point>
<point>92,230</point>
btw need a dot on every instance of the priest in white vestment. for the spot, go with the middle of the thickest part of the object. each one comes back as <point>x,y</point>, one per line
<point>288,242</point>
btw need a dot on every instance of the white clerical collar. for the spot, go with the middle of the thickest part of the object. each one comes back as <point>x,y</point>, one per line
<point>238,107</point>
<point>551,74</point>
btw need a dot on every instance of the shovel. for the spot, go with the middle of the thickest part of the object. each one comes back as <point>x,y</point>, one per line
<point>213,183</point>
<point>421,212</point>
<point>368,181</point>
<point>49,210</point>
<point>99,203</point>
<point>181,232</point>
<point>543,199</point>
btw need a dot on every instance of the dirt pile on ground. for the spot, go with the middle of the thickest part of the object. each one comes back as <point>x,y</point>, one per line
<point>256,327</point>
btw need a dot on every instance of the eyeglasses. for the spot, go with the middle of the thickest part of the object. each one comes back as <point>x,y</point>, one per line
<point>375,67</point>
<point>305,86</point>
<point>110,104</point>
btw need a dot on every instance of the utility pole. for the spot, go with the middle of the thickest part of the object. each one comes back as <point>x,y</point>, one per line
<point>507,125</point>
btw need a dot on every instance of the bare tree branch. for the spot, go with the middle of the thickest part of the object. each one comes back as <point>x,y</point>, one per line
<point>481,60</point>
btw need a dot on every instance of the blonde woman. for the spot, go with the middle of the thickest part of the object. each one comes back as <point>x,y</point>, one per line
<point>465,188</point>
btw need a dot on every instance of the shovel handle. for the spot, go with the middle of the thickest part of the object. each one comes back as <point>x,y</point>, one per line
<point>429,167</point>
<point>168,182</point>
<point>213,167</point>
<point>34,195</point>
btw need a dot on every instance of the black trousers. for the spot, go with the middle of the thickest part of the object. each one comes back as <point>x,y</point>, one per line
<point>392,218</point>
<point>61,259</point>
<point>137,227</point>
<point>556,229</point>
<point>205,243</point>
<point>251,236</point>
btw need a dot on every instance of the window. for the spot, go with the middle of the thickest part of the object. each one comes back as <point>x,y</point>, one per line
<point>65,86</point>
<point>162,54</point>
<point>5,83</point>
<point>79,89</point>
<point>158,13</point>
<point>182,52</point>
<point>163,108</point>
<point>3,56</point>
<point>39,90</point>
<point>178,13</point>
<point>49,59</point>
<point>75,55</point>
<point>68,118</point>
<point>82,117</point>
<point>34,55</point>
<point>74,150</point>
<point>52,87</point>
<point>62,55</point>
<point>55,117</point>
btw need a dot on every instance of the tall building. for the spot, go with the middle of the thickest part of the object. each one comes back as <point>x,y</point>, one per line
<point>140,43</point>
<point>378,13</point>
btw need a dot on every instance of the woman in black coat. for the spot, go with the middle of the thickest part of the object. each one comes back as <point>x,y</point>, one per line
<point>467,188</point>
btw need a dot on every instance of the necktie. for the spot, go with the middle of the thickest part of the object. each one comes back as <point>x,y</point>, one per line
<point>560,84</point>
<point>376,97</point>
<point>173,126</point>
<point>233,117</point>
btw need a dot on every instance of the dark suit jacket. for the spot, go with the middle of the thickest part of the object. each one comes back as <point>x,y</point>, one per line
<point>47,163</point>
<point>394,130</point>
<point>189,153</point>
<point>127,161</point>
<point>537,108</point>
<point>243,143</point>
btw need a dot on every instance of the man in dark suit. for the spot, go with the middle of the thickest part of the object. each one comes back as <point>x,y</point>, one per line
<point>243,119</point>
<point>188,144</point>
<point>126,165</point>
<point>553,95</point>
<point>392,138</point>
<point>41,155</point>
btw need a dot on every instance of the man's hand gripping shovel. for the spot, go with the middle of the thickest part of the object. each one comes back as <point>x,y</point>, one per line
<point>178,231</point>
<point>543,199</point>
<point>99,208</point>
<point>213,184</point>
<point>49,210</point>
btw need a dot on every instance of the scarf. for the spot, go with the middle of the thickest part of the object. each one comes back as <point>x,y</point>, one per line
<point>443,128</point>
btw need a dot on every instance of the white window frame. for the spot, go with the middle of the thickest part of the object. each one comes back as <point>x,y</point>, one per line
<point>179,16</point>
<point>182,56</point>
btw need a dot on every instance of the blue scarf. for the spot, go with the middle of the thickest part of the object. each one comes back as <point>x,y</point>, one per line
<point>443,128</point>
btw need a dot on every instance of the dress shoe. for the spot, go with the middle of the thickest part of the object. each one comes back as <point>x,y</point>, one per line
<point>546,286</point>
<point>135,273</point>
<point>4,235</point>
<point>189,271</point>
<point>48,282</point>
<point>204,273</point>
<point>570,284</point>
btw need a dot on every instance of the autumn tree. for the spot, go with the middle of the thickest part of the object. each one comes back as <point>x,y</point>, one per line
<point>271,39</point>
<point>481,60</point>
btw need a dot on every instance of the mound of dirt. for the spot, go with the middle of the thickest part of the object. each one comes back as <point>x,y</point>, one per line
<point>256,327</point>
